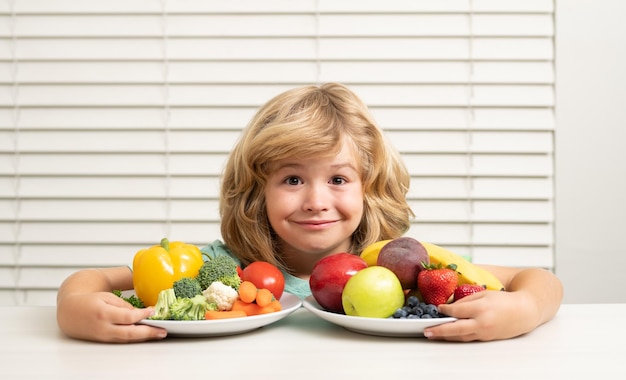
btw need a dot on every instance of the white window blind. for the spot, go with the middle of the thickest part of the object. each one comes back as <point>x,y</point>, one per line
<point>117,116</point>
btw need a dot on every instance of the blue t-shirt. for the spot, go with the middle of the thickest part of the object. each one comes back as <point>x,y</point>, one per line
<point>293,284</point>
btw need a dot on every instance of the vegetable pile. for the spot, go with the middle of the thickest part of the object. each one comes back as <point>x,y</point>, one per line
<point>181,288</point>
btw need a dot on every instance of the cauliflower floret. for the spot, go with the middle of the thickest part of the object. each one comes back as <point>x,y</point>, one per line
<point>222,295</point>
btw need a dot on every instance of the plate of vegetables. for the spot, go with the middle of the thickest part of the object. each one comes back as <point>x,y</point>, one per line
<point>227,326</point>
<point>198,294</point>
<point>218,298</point>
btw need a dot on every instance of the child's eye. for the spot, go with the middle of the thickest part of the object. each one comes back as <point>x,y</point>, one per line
<point>338,180</point>
<point>292,181</point>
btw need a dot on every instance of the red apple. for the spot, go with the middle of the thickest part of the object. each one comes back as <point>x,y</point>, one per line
<point>329,276</point>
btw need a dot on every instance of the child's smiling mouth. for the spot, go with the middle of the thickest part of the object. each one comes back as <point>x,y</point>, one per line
<point>315,224</point>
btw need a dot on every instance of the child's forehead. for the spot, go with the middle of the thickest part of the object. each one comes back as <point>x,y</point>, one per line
<point>344,154</point>
<point>345,148</point>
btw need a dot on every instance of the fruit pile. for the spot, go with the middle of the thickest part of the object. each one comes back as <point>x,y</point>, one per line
<point>399,278</point>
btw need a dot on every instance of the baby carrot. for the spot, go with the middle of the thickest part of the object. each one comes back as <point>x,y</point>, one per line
<point>248,308</point>
<point>247,291</point>
<point>264,297</point>
<point>216,314</point>
<point>276,305</point>
<point>271,307</point>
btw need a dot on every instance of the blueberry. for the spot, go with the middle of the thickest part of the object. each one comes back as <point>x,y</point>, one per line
<point>412,301</point>
<point>400,313</point>
<point>431,309</point>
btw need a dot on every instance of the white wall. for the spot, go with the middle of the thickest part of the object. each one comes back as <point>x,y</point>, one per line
<point>591,149</point>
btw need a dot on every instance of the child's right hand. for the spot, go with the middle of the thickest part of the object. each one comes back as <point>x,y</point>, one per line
<point>104,317</point>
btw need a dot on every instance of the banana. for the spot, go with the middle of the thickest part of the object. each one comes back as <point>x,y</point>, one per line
<point>370,253</point>
<point>468,273</point>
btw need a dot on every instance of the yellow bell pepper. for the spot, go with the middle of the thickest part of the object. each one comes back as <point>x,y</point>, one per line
<point>158,267</point>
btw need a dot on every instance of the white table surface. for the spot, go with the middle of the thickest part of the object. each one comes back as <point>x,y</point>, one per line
<point>581,342</point>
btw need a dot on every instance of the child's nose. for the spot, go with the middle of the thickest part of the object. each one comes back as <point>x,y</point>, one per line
<point>316,199</point>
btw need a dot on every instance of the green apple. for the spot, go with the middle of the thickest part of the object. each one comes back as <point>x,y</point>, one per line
<point>373,292</point>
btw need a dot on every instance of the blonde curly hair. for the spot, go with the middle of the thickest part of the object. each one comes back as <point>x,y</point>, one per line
<point>308,122</point>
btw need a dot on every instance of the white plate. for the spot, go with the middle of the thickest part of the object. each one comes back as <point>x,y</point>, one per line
<point>230,326</point>
<point>375,326</point>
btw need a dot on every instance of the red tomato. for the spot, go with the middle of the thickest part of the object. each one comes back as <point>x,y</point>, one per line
<point>265,275</point>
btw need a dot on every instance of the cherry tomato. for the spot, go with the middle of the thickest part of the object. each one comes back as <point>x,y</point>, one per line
<point>265,275</point>
<point>239,271</point>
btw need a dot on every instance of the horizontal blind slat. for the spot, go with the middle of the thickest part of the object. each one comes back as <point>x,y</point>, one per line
<point>451,118</point>
<point>150,6</point>
<point>477,142</point>
<point>145,25</point>
<point>481,188</point>
<point>134,233</point>
<point>142,49</point>
<point>497,235</point>
<point>113,164</point>
<point>276,72</point>
<point>106,210</point>
<point>207,25</point>
<point>277,6</point>
<point>437,6</point>
<point>136,118</point>
<point>249,95</point>
<point>481,165</point>
<point>505,211</point>
<point>123,141</point>
<point>303,48</point>
<point>89,187</point>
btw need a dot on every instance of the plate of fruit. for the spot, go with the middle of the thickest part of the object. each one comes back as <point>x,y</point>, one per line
<point>393,287</point>
<point>405,323</point>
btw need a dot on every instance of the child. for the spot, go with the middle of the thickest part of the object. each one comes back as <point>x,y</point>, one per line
<point>311,176</point>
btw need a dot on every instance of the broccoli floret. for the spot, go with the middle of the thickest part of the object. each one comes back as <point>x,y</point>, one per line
<point>164,302</point>
<point>132,299</point>
<point>187,287</point>
<point>190,309</point>
<point>220,268</point>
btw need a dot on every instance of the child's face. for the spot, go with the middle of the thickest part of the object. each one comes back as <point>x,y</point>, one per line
<point>314,205</point>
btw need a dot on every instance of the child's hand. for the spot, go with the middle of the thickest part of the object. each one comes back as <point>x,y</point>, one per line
<point>104,317</point>
<point>489,315</point>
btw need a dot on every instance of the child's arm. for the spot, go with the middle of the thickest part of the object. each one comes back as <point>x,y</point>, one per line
<point>86,308</point>
<point>533,297</point>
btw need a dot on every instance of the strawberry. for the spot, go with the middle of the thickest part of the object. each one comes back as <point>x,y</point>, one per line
<point>466,290</point>
<point>437,283</point>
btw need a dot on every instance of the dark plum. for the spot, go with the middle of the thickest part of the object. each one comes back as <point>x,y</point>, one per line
<point>404,257</point>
